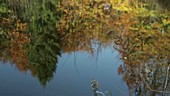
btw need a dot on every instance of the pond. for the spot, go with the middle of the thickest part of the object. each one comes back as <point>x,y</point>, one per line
<point>72,77</point>
<point>84,48</point>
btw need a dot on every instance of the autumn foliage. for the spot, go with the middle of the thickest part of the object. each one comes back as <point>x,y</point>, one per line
<point>139,30</point>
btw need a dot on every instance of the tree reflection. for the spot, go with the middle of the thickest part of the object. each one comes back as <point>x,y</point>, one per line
<point>44,49</point>
<point>38,55</point>
<point>34,45</point>
<point>146,59</point>
<point>43,58</point>
<point>143,39</point>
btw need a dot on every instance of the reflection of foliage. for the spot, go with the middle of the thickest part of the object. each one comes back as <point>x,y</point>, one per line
<point>43,56</point>
<point>19,38</point>
<point>139,37</point>
<point>83,21</point>
<point>37,38</point>
<point>44,46</point>
<point>2,8</point>
<point>164,3</point>
<point>5,27</point>
<point>147,54</point>
<point>13,37</point>
<point>141,34</point>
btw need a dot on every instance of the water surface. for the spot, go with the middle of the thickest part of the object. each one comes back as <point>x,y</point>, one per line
<point>72,78</point>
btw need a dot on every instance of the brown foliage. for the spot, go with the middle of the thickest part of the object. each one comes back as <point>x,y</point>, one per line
<point>19,38</point>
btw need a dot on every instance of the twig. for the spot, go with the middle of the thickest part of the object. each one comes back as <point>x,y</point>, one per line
<point>167,74</point>
<point>158,91</point>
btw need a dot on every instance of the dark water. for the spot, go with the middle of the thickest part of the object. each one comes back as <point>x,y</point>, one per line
<point>72,78</point>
